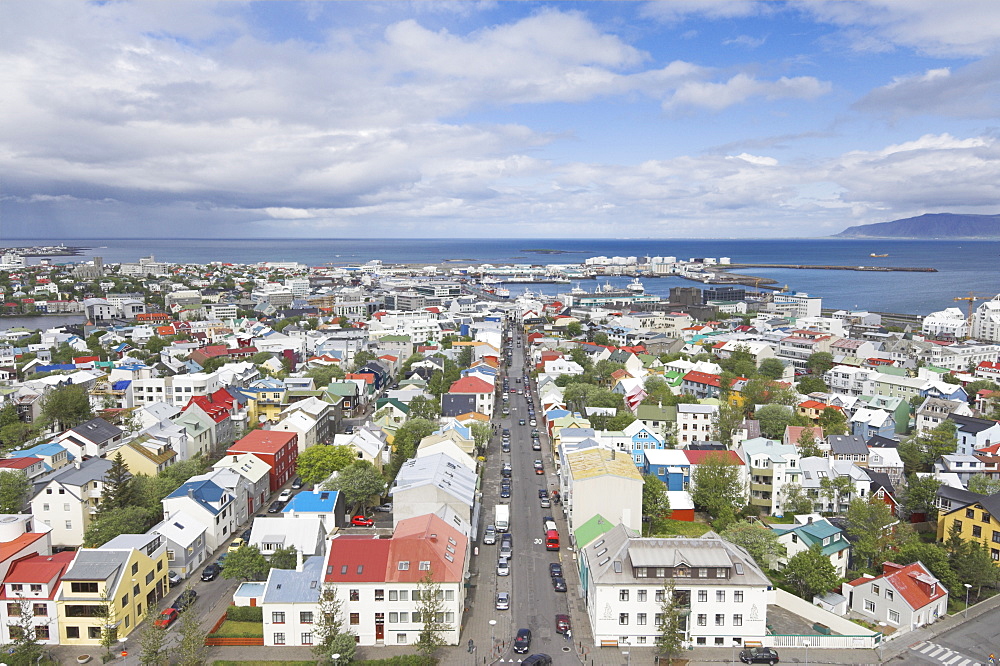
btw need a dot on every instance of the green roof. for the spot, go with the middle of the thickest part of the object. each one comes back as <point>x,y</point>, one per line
<point>342,388</point>
<point>395,338</point>
<point>591,530</point>
<point>893,370</point>
<point>656,413</point>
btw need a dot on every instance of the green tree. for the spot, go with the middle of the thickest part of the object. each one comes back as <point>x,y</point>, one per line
<point>671,623</point>
<point>574,329</point>
<point>152,643</point>
<point>941,440</point>
<point>655,503</point>
<point>360,482</point>
<point>317,463</point>
<point>719,489</point>
<point>869,524</point>
<point>423,407</point>
<point>730,417</point>
<point>24,648</point>
<point>14,488</point>
<point>810,572</point>
<point>774,419</point>
<point>118,492</point>
<point>8,415</point>
<point>810,384</point>
<point>246,563</point>
<point>601,339</point>
<point>920,496</point>
<point>619,421</point>
<point>362,357</point>
<point>284,558</point>
<point>819,362</point>
<point>324,374</point>
<point>740,362</point>
<point>330,638</point>
<point>481,434</point>
<point>832,421</point>
<point>934,557</point>
<point>796,501</point>
<point>979,483</point>
<point>66,407</point>
<point>190,649</point>
<point>126,520</point>
<point>835,489</point>
<point>16,434</point>
<point>409,434</point>
<point>807,444</point>
<point>431,611</point>
<point>771,368</point>
<point>762,543</point>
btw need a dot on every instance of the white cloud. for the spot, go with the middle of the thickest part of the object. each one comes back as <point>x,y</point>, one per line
<point>742,87</point>
<point>677,10</point>
<point>754,159</point>
<point>971,91</point>
<point>747,41</point>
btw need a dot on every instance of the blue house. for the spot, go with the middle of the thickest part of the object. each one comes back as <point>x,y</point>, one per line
<point>668,465</point>
<point>327,505</point>
<point>642,439</point>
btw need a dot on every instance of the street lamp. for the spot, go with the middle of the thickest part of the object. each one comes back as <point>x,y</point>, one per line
<point>806,643</point>
<point>335,657</point>
<point>493,639</point>
<point>967,588</point>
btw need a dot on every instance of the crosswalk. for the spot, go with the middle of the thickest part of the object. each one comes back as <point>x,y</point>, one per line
<point>943,654</point>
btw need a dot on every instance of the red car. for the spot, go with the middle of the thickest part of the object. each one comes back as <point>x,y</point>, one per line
<point>562,624</point>
<point>166,618</point>
<point>361,521</point>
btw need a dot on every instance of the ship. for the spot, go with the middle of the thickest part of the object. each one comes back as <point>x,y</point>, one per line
<point>878,256</point>
<point>635,285</point>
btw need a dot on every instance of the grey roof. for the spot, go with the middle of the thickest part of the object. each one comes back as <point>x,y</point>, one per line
<point>90,470</point>
<point>847,445</point>
<point>97,430</point>
<point>286,586</point>
<point>971,423</point>
<point>98,564</point>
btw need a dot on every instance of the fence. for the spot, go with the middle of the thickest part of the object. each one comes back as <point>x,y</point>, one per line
<point>822,642</point>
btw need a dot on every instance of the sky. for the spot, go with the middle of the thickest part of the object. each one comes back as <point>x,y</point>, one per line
<point>700,119</point>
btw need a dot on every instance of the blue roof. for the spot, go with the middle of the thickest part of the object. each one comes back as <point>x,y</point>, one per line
<point>51,368</point>
<point>47,449</point>
<point>322,502</point>
<point>205,492</point>
<point>121,385</point>
<point>290,586</point>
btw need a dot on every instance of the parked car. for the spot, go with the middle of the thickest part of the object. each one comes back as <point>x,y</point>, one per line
<point>545,503</point>
<point>559,584</point>
<point>296,483</point>
<point>562,624</point>
<point>211,572</point>
<point>275,507</point>
<point>236,545</point>
<point>503,567</point>
<point>490,535</point>
<point>504,492</point>
<point>522,641</point>
<point>759,655</point>
<point>362,521</point>
<point>166,618</point>
<point>503,600</point>
<point>384,508</point>
<point>536,445</point>
<point>184,600</point>
<point>506,472</point>
<point>538,464</point>
<point>539,659</point>
<point>505,447</point>
<point>285,495</point>
<point>174,579</point>
<point>555,570</point>
<point>506,546</point>
<point>520,422</point>
<point>245,535</point>
<point>543,493</point>
<point>533,422</point>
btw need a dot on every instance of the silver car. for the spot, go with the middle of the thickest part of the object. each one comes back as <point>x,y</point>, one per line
<point>490,536</point>
<point>503,601</point>
<point>503,567</point>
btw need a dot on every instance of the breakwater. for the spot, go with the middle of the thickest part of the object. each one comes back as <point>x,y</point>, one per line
<point>815,267</point>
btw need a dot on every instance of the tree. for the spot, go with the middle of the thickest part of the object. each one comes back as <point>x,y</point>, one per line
<point>359,482</point>
<point>619,421</point>
<point>24,641</point>
<point>423,407</point>
<point>481,433</point>
<point>362,357</point>
<point>796,501</point>
<point>819,363</point>
<point>601,339</point>
<point>190,649</point>
<point>869,524</point>
<point>934,557</point>
<point>14,488</point>
<point>284,558</point>
<point>118,492</point>
<point>832,421</point>
<point>431,610</point>
<point>919,496</point>
<point>979,483</point>
<point>152,643</point>
<point>66,407</point>
<point>740,363</point>
<point>317,463</point>
<point>941,440</point>
<point>245,563</point>
<point>762,543</point>
<point>126,520</point>
<point>718,488</point>
<point>773,420</point>
<point>730,417</point>
<point>324,374</point>
<point>809,384</point>
<point>330,638</point>
<point>771,368</point>
<point>105,611</point>
<point>574,329</point>
<point>671,622</point>
<point>655,502</point>
<point>810,572</point>
<point>14,434</point>
<point>835,488</point>
<point>807,444</point>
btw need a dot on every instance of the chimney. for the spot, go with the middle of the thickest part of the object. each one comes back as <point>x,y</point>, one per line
<point>191,492</point>
<point>298,561</point>
<point>235,457</point>
<point>810,520</point>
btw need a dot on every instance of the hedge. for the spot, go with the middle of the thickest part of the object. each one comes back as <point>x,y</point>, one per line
<point>245,614</point>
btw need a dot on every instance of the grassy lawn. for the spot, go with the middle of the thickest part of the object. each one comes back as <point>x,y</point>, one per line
<point>231,629</point>
<point>784,520</point>
<point>263,663</point>
<point>669,527</point>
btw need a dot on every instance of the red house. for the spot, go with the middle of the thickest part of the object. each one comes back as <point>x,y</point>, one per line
<point>277,448</point>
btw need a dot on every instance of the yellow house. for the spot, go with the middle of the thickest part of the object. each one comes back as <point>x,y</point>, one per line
<point>265,400</point>
<point>111,588</point>
<point>975,516</point>
<point>145,455</point>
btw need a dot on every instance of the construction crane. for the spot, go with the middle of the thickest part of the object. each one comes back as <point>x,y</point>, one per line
<point>971,298</point>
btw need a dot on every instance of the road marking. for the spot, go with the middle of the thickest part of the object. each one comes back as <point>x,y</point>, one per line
<point>943,655</point>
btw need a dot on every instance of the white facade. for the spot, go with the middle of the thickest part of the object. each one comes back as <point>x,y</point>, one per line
<point>986,321</point>
<point>695,423</point>
<point>947,323</point>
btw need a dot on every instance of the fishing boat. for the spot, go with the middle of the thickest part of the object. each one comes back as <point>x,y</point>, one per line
<point>878,256</point>
<point>635,285</point>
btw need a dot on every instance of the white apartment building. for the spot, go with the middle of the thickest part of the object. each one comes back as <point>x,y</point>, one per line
<point>623,578</point>
<point>949,323</point>
<point>67,499</point>
<point>797,305</point>
<point>772,466</point>
<point>850,380</point>
<point>176,390</point>
<point>695,423</point>
<point>986,321</point>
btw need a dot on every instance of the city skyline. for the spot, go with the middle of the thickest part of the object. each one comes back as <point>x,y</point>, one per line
<point>589,120</point>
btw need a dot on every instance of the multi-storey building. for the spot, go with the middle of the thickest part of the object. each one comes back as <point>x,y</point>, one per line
<point>772,466</point>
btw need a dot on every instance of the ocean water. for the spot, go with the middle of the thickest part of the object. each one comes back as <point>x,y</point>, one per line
<point>963,266</point>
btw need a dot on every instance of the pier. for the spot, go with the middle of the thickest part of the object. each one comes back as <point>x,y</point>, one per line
<point>806,267</point>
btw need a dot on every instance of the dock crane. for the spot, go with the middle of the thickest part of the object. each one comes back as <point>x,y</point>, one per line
<point>971,298</point>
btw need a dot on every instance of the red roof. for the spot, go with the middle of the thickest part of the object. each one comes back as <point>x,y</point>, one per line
<point>471,385</point>
<point>11,548</point>
<point>915,583</point>
<point>19,463</point>
<point>217,405</point>
<point>263,441</point>
<point>364,376</point>
<point>429,539</point>
<point>359,559</point>
<point>40,569</point>
<point>698,457</point>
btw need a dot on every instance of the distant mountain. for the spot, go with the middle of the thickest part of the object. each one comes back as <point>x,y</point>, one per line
<point>932,225</point>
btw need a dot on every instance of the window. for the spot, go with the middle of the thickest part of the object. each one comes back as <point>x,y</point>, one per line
<point>702,595</point>
<point>889,595</point>
<point>13,610</point>
<point>393,595</point>
<point>720,620</point>
<point>985,517</point>
<point>894,616</point>
<point>135,568</point>
<point>42,632</point>
<point>379,595</point>
<point>640,618</point>
<point>876,590</point>
<point>660,572</point>
<point>682,572</point>
<point>149,577</point>
<point>45,507</point>
<point>90,588</point>
<point>72,632</point>
<point>977,532</point>
<point>39,610</point>
<point>737,620</point>
<point>277,617</point>
<point>355,618</point>
<point>721,572</point>
<point>969,513</point>
<point>401,639</point>
<point>306,617</point>
<point>640,640</point>
<point>958,525</point>
<point>869,606</point>
<point>641,572</point>
<point>125,601</point>
<point>719,640</point>
<point>404,595</point>
<point>640,595</point>
<point>700,640</point>
<point>658,596</point>
<point>623,618</point>
<point>415,616</point>
<point>720,596</point>
<point>702,572</point>
<point>738,596</point>
<point>94,633</point>
<point>622,595</point>
<point>279,639</point>
<point>135,590</point>
<point>795,538</point>
<point>355,595</point>
<point>307,638</point>
<point>69,524</point>
<point>702,619</point>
